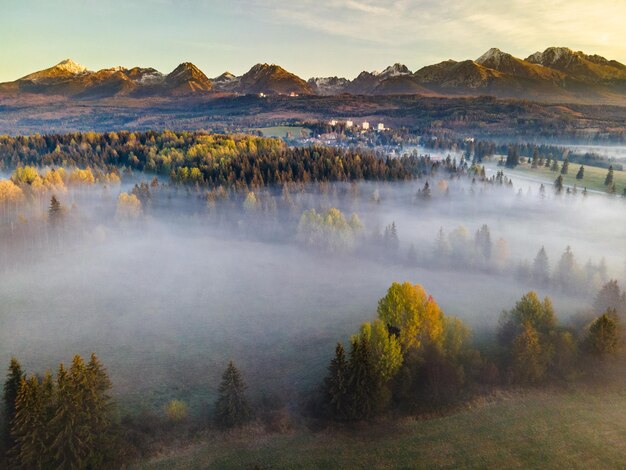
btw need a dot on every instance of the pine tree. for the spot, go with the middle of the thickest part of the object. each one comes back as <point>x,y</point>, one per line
<point>555,165</point>
<point>99,408</point>
<point>558,184</point>
<point>565,167</point>
<point>336,385</point>
<point>535,162</point>
<point>541,267</point>
<point>608,181</point>
<point>73,443</point>
<point>581,173</point>
<point>55,211</point>
<point>31,429</point>
<point>363,386</point>
<point>11,390</point>
<point>232,408</point>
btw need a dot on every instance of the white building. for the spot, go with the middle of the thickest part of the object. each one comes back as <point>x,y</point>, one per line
<point>349,124</point>
<point>333,122</point>
<point>365,126</point>
<point>380,127</point>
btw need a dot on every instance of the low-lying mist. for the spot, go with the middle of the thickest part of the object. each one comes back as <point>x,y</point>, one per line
<point>167,298</point>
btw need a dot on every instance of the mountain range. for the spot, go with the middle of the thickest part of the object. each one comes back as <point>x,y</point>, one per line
<point>557,74</point>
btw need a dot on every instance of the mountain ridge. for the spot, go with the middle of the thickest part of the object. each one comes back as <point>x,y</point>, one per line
<point>557,74</point>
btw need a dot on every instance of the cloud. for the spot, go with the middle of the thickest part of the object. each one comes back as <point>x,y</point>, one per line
<point>521,26</point>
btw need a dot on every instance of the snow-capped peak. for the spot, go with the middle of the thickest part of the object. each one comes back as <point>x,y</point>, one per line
<point>492,55</point>
<point>70,66</point>
<point>395,70</point>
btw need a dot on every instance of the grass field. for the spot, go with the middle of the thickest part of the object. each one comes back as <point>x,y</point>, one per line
<point>536,430</point>
<point>594,176</point>
<point>281,131</point>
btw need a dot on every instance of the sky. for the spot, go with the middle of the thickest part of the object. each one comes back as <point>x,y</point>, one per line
<point>307,37</point>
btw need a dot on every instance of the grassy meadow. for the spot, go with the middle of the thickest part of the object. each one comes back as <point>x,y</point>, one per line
<point>593,180</point>
<point>548,429</point>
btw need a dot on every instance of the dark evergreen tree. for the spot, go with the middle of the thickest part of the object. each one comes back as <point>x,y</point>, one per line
<point>11,389</point>
<point>581,173</point>
<point>608,181</point>
<point>541,267</point>
<point>603,337</point>
<point>363,386</point>
<point>558,184</point>
<point>565,167</point>
<point>232,408</point>
<point>55,211</point>
<point>555,165</point>
<point>336,386</point>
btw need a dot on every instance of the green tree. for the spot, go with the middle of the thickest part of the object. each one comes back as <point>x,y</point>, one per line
<point>603,336</point>
<point>363,383</point>
<point>336,385</point>
<point>11,390</point>
<point>541,267</point>
<point>581,173</point>
<point>608,181</point>
<point>555,165</point>
<point>385,349</point>
<point>558,184</point>
<point>232,407</point>
<point>565,167</point>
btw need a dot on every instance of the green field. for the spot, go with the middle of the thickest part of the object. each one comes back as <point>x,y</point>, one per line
<point>553,429</point>
<point>281,131</point>
<point>594,176</point>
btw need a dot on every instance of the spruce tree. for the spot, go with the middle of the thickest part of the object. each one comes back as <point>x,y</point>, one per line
<point>363,386</point>
<point>336,385</point>
<point>232,408</point>
<point>581,173</point>
<point>31,429</point>
<point>55,211</point>
<point>11,389</point>
<point>565,167</point>
<point>608,181</point>
<point>555,165</point>
<point>558,184</point>
<point>541,268</point>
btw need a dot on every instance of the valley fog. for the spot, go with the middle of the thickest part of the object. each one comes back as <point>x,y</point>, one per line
<point>166,299</point>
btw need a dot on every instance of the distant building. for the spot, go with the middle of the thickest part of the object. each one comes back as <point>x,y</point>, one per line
<point>261,95</point>
<point>293,94</point>
<point>380,127</point>
<point>333,122</point>
<point>349,124</point>
<point>365,126</point>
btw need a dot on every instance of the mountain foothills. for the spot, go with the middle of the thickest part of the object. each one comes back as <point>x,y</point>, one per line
<point>557,74</point>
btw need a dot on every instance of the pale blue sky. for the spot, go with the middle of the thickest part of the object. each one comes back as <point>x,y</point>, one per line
<point>308,37</point>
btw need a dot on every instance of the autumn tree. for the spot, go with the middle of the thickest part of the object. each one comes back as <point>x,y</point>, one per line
<point>527,363</point>
<point>231,407</point>
<point>414,315</point>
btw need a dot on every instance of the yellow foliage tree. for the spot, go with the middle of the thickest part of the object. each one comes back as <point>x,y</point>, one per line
<point>128,206</point>
<point>413,313</point>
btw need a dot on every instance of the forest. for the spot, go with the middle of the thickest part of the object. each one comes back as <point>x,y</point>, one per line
<point>213,287</point>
